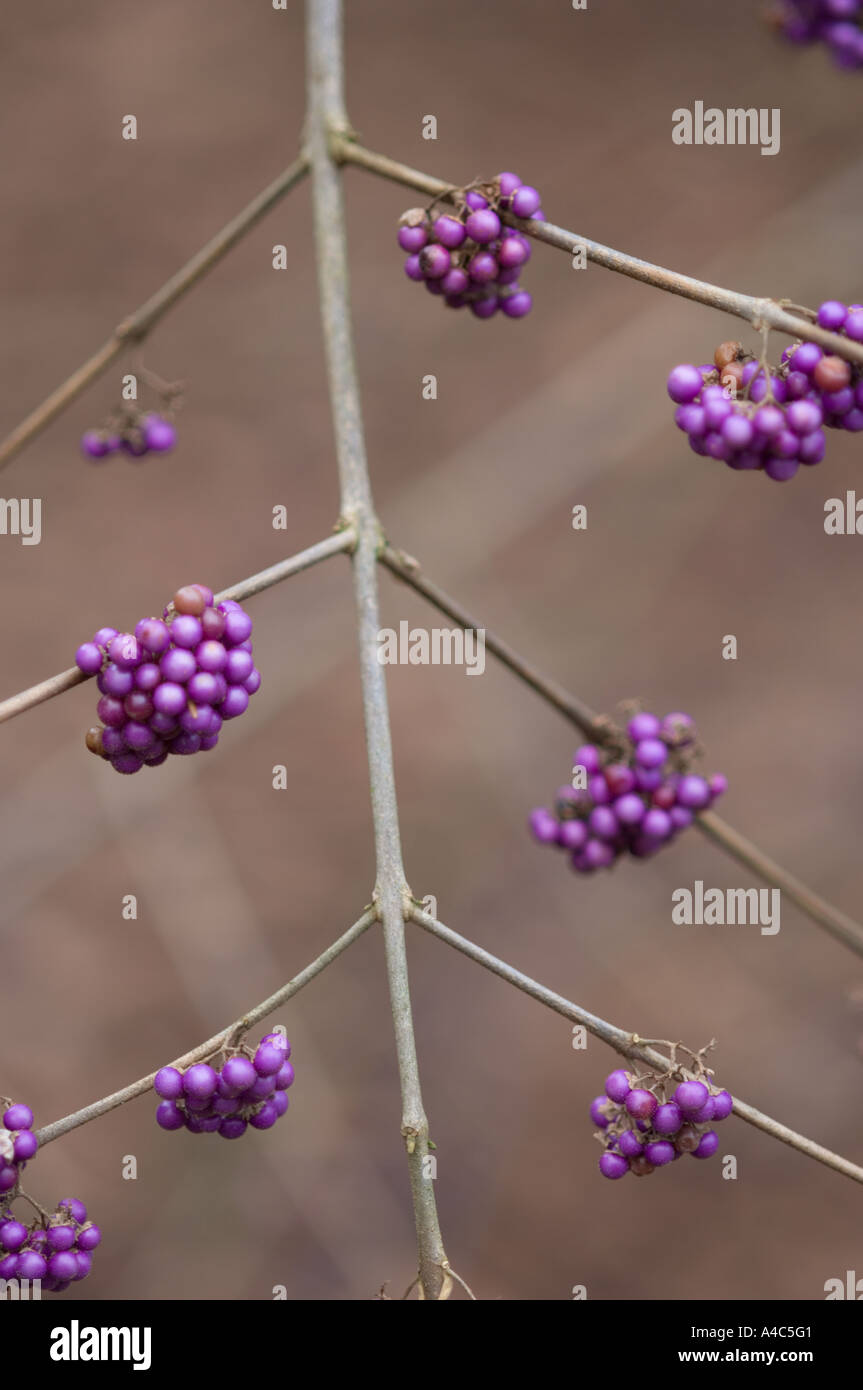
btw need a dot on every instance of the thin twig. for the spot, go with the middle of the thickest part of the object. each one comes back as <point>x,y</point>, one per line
<point>757,311</point>
<point>212,1045</point>
<point>327,120</point>
<point>627,1044</point>
<point>837,923</point>
<point>245,588</point>
<point>138,324</point>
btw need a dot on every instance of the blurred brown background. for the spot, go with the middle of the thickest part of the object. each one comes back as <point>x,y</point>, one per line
<point>238,885</point>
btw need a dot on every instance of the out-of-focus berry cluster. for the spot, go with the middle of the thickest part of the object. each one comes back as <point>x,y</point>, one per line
<point>467,255</point>
<point>639,792</point>
<point>133,433</point>
<point>836,23</point>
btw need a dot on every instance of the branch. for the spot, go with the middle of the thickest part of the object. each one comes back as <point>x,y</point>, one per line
<point>246,588</point>
<point>627,1044</point>
<point>213,1044</point>
<point>137,325</point>
<point>837,923</point>
<point>326,122</point>
<point>758,312</point>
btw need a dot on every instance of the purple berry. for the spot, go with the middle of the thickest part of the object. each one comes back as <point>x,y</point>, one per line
<point>75,1208</point>
<point>659,1152</point>
<point>707,1146</point>
<point>89,658</point>
<point>617,1086</point>
<point>630,1144</point>
<point>236,702</point>
<point>232,1127</point>
<point>266,1117</point>
<point>512,253</point>
<point>603,823</point>
<point>668,1118</point>
<point>186,631</point>
<point>572,834</point>
<point>516,305</point>
<point>657,824</point>
<point>169,1115</point>
<point>691,1096</point>
<point>449,232</point>
<point>18,1116</point>
<point>543,826</point>
<point>31,1265</point>
<point>524,201</point>
<point>650,752</point>
<point>178,665</point>
<point>25,1145</point>
<point>63,1265</point>
<point>168,1083</point>
<point>723,1105</point>
<point>434,262</point>
<point>268,1059</point>
<point>61,1237</point>
<point>641,1104</point>
<point>238,1074</point>
<point>806,358</point>
<point>94,444</point>
<point>832,315</point>
<point>693,792</point>
<point>629,809</point>
<point>613,1165</point>
<point>684,383</point>
<point>12,1235</point>
<point>597,1112</point>
<point>159,434</point>
<point>482,267</point>
<point>200,1081</point>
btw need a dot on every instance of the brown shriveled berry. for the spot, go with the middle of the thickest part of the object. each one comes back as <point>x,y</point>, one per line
<point>189,600</point>
<point>687,1138</point>
<point>725,353</point>
<point>641,1166</point>
<point>93,739</point>
<point>414,217</point>
<point>832,374</point>
<point>731,376</point>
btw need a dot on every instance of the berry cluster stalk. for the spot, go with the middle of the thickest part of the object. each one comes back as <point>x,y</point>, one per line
<point>245,588</point>
<point>761,313</point>
<point>136,326</point>
<point>629,1045</point>
<point>327,122</point>
<point>594,726</point>
<point>216,1042</point>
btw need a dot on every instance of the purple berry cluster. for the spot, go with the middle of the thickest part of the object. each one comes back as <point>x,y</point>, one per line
<point>169,686</point>
<point>467,255</point>
<point>132,433</point>
<point>18,1144</point>
<point>836,23</point>
<point>641,1126</point>
<point>248,1089</point>
<point>56,1249</point>
<point>735,410</point>
<point>640,793</point>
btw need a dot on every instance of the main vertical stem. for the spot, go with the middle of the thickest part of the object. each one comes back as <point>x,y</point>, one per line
<point>327,119</point>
